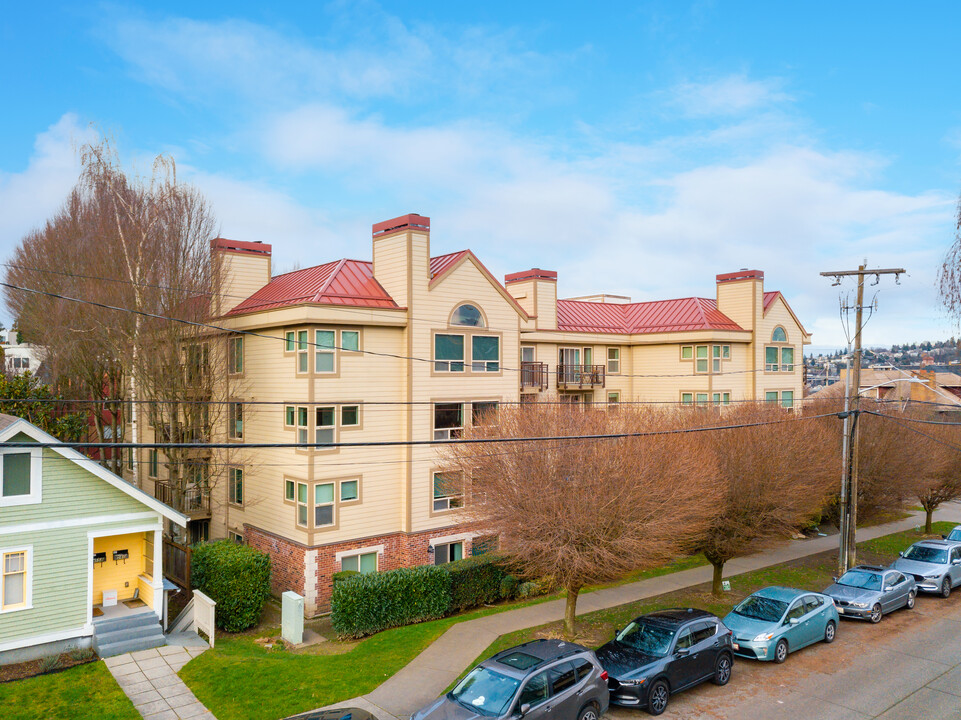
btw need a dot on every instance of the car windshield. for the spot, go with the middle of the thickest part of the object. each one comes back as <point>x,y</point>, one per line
<point>861,579</point>
<point>647,638</point>
<point>955,534</point>
<point>761,608</point>
<point>923,553</point>
<point>485,691</point>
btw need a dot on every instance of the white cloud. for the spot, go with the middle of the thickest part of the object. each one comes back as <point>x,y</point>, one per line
<point>731,95</point>
<point>29,197</point>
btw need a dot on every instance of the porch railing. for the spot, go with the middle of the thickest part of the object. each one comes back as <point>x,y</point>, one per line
<point>192,501</point>
<point>176,558</point>
<point>534,375</point>
<point>580,376</point>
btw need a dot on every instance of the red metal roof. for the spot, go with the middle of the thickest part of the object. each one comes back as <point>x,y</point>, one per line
<point>342,282</point>
<point>239,246</point>
<point>442,263</point>
<point>770,297</point>
<point>645,317</point>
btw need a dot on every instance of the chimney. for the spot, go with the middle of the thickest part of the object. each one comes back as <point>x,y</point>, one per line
<point>402,256</point>
<point>536,291</point>
<point>241,268</point>
<point>740,296</point>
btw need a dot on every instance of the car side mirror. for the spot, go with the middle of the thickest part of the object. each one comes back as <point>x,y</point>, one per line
<point>793,621</point>
<point>834,579</point>
<point>956,561</point>
<point>524,709</point>
<point>943,536</point>
<point>683,652</point>
<point>901,554</point>
<point>617,631</point>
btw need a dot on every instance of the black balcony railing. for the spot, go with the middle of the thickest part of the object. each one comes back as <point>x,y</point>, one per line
<point>580,376</point>
<point>192,501</point>
<point>534,375</point>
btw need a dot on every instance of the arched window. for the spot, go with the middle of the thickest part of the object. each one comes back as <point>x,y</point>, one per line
<point>779,335</point>
<point>467,316</point>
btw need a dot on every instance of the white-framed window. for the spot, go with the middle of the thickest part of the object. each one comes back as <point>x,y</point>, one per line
<point>235,355</point>
<point>324,428</point>
<point>721,398</point>
<point>448,552</point>
<point>21,471</point>
<point>296,417</point>
<point>349,415</point>
<point>16,578</point>
<point>485,353</point>
<point>235,421</point>
<point>527,353</point>
<point>148,550</point>
<point>484,413</point>
<point>290,341</point>
<point>687,398</point>
<point>448,491</point>
<point>325,344</point>
<point>153,463</point>
<point>448,420</point>
<point>236,485</point>
<point>613,360</point>
<point>700,398</point>
<point>290,490</point>
<point>349,490</point>
<point>687,352</point>
<point>613,400</point>
<point>719,353</point>
<point>362,563</point>
<point>350,340</point>
<point>778,359</point>
<point>779,335</point>
<point>302,513</point>
<point>784,397</point>
<point>303,356</point>
<point>323,504</point>
<point>700,358</point>
<point>448,353</point>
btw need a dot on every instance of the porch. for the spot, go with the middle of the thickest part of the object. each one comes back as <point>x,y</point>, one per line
<point>122,574</point>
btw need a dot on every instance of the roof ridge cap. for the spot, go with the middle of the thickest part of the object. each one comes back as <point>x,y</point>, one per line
<point>330,278</point>
<point>304,269</point>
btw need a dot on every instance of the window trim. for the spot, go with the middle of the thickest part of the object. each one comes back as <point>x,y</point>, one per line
<point>153,463</point>
<point>706,359</point>
<point>27,603</point>
<point>232,355</point>
<point>448,544</point>
<point>360,341</point>
<point>232,420</point>
<point>616,360</point>
<point>434,510</point>
<point>232,488</point>
<point>467,335</point>
<point>340,491</point>
<point>35,496</point>
<point>332,505</point>
<point>485,363</point>
<point>475,305</point>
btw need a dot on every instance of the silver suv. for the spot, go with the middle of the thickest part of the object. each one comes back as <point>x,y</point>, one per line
<point>539,680</point>
<point>935,565</point>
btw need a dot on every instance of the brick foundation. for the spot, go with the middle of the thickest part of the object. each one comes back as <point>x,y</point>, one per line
<point>289,559</point>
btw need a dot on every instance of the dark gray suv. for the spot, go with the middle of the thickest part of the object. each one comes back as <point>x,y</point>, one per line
<point>539,680</point>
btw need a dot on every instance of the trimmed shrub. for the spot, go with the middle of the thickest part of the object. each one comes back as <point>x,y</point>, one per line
<point>474,581</point>
<point>236,577</point>
<point>530,589</point>
<point>344,575</point>
<point>509,585</point>
<point>377,601</point>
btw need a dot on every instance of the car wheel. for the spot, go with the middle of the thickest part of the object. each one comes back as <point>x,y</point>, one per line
<point>722,670</point>
<point>876,613</point>
<point>945,587</point>
<point>657,697</point>
<point>830,630</point>
<point>780,651</point>
<point>910,603</point>
<point>588,712</point>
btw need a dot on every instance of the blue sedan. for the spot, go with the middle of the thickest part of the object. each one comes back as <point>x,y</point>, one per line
<point>775,621</point>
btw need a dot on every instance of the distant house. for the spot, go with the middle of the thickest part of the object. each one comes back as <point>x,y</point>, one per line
<point>76,542</point>
<point>21,357</point>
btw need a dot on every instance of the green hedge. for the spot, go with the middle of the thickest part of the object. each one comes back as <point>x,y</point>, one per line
<point>377,601</point>
<point>344,575</point>
<point>236,577</point>
<point>475,581</point>
<point>509,587</point>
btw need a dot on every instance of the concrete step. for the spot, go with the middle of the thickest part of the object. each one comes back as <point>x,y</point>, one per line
<point>130,645</point>
<point>126,621</point>
<point>101,639</point>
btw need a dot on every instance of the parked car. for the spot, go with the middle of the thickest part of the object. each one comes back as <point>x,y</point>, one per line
<point>539,680</point>
<point>344,713</point>
<point>954,535</point>
<point>776,620</point>
<point>935,565</point>
<point>868,592</point>
<point>665,652</point>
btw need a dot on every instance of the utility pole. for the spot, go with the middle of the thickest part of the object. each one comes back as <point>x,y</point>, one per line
<point>847,548</point>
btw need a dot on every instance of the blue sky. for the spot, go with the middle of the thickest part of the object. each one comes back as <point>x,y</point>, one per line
<point>636,148</point>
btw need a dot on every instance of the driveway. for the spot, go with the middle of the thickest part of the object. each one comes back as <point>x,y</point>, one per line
<point>906,667</point>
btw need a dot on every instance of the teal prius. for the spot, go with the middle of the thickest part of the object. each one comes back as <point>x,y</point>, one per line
<point>776,620</point>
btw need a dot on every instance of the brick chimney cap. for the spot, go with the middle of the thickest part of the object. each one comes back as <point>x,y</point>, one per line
<point>238,246</point>
<point>411,221</point>
<point>532,274</point>
<point>744,274</point>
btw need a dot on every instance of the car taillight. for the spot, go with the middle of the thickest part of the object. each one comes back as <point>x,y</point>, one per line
<point>603,674</point>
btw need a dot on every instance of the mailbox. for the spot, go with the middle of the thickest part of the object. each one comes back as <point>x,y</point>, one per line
<point>121,555</point>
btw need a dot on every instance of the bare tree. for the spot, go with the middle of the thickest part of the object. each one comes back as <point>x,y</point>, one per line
<point>583,511</point>
<point>936,450</point>
<point>774,475</point>
<point>949,274</point>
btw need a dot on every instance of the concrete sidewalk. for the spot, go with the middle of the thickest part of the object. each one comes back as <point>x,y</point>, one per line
<point>430,673</point>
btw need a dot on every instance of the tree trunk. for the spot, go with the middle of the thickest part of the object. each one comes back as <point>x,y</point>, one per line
<point>928,512</point>
<point>718,574</point>
<point>570,610</point>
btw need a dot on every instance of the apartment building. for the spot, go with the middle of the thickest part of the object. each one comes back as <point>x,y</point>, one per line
<point>412,348</point>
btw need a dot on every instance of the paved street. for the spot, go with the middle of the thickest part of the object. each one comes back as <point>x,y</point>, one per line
<point>906,668</point>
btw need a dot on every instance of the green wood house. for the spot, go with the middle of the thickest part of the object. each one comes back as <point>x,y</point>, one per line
<point>81,552</point>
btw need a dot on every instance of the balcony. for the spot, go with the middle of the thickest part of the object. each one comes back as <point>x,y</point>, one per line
<point>534,375</point>
<point>580,376</point>
<point>191,501</point>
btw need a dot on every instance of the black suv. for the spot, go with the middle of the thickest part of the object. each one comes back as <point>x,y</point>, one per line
<point>663,653</point>
<point>539,680</point>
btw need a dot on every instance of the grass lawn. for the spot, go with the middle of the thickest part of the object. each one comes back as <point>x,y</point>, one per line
<point>85,691</point>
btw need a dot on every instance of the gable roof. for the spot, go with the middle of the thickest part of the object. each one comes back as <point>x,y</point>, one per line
<point>768,301</point>
<point>10,426</point>
<point>442,265</point>
<point>341,282</point>
<point>657,316</point>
